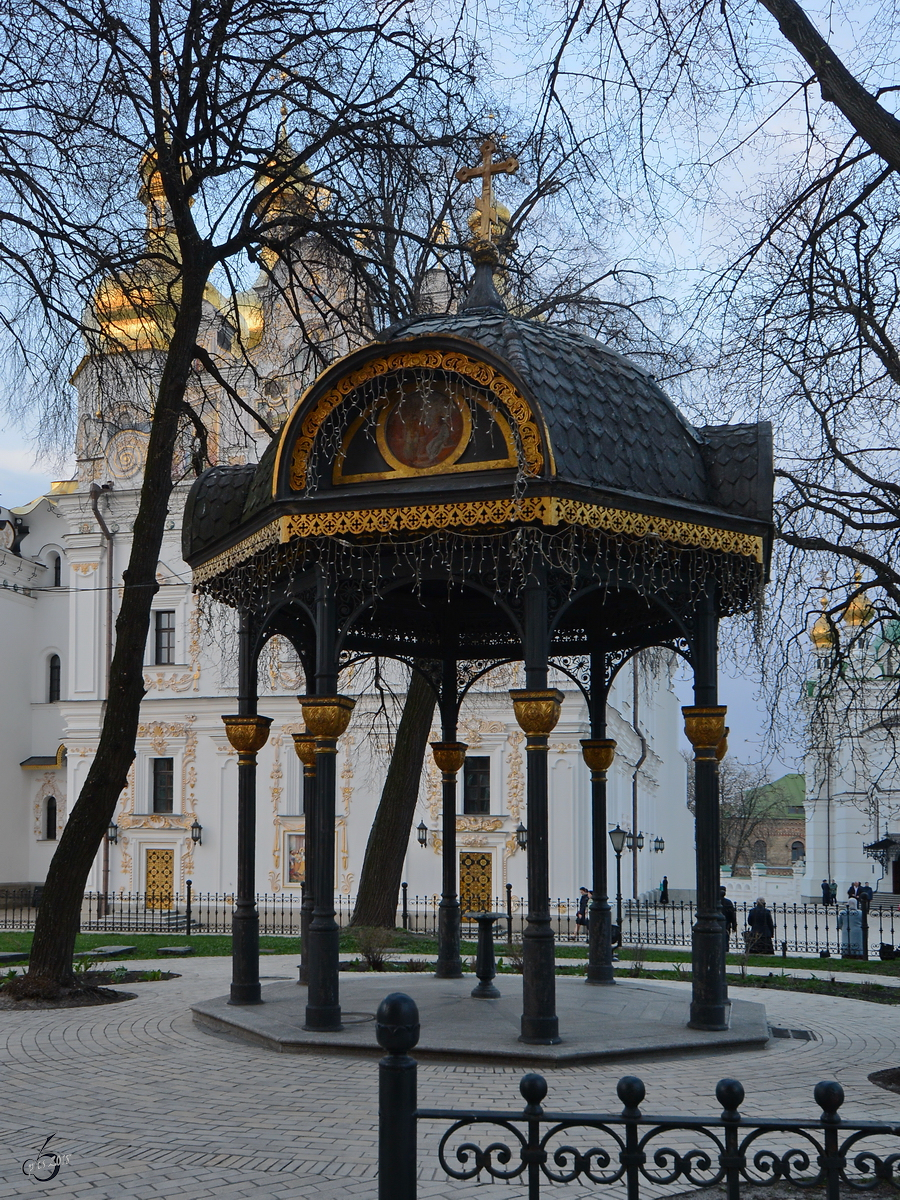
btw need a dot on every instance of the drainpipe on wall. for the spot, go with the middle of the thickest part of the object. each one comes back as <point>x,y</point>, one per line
<point>96,492</point>
<point>634,778</point>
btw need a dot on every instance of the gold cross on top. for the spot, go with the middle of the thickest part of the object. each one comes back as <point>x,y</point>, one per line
<point>485,202</point>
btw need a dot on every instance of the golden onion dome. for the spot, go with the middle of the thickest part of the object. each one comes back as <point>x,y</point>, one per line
<point>822,635</point>
<point>860,610</point>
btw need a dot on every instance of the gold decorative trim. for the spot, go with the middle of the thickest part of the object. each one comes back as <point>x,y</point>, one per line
<point>704,726</point>
<point>418,518</point>
<point>453,361</point>
<point>537,712</point>
<point>326,716</point>
<point>598,754</point>
<point>449,756</point>
<point>478,824</point>
<point>247,734</point>
<point>261,540</point>
<point>642,525</point>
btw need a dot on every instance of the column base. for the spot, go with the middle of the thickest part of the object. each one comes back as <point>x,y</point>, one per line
<point>323,1020</point>
<point>540,1031</point>
<point>714,1018</point>
<point>602,974</point>
<point>448,970</point>
<point>245,993</point>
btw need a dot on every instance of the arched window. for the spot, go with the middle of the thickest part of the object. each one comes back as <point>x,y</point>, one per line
<point>53,679</point>
<point>56,565</point>
<point>798,851</point>
<point>50,818</point>
<point>759,851</point>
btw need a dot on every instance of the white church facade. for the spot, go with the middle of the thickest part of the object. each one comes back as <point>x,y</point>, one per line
<point>61,563</point>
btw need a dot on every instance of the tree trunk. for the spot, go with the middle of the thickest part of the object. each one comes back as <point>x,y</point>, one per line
<point>379,883</point>
<point>58,918</point>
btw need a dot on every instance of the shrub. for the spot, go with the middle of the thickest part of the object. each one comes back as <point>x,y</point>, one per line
<point>374,946</point>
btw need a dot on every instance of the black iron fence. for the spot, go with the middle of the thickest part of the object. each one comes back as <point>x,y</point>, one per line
<point>537,1147</point>
<point>799,928</point>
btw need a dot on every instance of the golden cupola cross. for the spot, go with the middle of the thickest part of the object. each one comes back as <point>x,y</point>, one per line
<point>488,168</point>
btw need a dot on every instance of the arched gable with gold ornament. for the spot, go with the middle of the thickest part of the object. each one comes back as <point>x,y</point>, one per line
<point>430,407</point>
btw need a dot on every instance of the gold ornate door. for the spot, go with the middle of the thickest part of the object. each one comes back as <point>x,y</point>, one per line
<point>475,880</point>
<point>160,878</point>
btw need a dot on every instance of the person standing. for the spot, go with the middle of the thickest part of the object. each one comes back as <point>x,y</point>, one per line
<point>833,887</point>
<point>730,912</point>
<point>762,928</point>
<point>853,891</point>
<point>581,917</point>
<point>664,890</point>
<point>826,892</point>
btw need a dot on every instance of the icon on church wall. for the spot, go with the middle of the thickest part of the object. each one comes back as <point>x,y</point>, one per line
<point>424,430</point>
<point>296,858</point>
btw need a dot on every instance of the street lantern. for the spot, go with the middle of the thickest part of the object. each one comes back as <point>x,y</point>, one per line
<point>619,839</point>
<point>617,836</point>
<point>629,841</point>
<point>521,836</point>
<point>422,833</point>
<point>659,845</point>
<point>112,833</point>
<point>639,841</point>
<point>196,832</point>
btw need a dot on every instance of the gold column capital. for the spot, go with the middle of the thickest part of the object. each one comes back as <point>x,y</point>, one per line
<point>722,745</point>
<point>247,734</point>
<point>326,716</point>
<point>305,748</point>
<point>598,753</point>
<point>704,726</point>
<point>537,712</point>
<point>449,756</point>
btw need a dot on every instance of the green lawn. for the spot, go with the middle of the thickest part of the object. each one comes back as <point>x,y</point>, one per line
<point>422,945</point>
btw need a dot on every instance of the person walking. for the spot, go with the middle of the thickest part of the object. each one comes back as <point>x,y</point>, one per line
<point>730,912</point>
<point>826,892</point>
<point>762,928</point>
<point>850,926</point>
<point>664,890</point>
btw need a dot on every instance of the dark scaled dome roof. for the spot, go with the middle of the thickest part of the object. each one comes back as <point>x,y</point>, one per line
<point>609,427</point>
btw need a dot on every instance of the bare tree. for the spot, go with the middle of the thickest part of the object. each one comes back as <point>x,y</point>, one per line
<point>193,92</point>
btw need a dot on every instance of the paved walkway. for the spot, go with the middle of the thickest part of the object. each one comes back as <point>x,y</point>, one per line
<point>147,1105</point>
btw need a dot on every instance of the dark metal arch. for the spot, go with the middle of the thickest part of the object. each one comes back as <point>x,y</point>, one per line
<point>583,592</point>
<point>435,577</point>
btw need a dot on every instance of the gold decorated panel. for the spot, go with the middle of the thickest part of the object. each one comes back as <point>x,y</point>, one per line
<point>476,879</point>
<point>454,362</point>
<point>470,514</point>
<point>159,878</point>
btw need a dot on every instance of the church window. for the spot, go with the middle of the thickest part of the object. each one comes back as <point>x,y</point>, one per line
<point>164,643</point>
<point>798,851</point>
<point>50,818</point>
<point>56,565</point>
<point>163,781</point>
<point>53,679</point>
<point>477,785</point>
<point>760,852</point>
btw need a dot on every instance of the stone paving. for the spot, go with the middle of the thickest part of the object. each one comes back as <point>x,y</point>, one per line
<point>148,1105</point>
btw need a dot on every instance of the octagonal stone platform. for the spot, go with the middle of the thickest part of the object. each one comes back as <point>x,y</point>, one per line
<point>627,1020</point>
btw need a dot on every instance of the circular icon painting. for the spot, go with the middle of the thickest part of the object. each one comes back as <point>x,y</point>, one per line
<point>422,431</point>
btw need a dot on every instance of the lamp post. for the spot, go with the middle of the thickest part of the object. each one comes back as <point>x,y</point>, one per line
<point>618,837</point>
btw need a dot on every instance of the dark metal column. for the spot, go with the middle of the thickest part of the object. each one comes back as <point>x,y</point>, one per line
<point>449,755</point>
<point>598,754</point>
<point>327,716</point>
<point>537,710</point>
<point>704,724</point>
<point>247,732</point>
<point>305,746</point>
